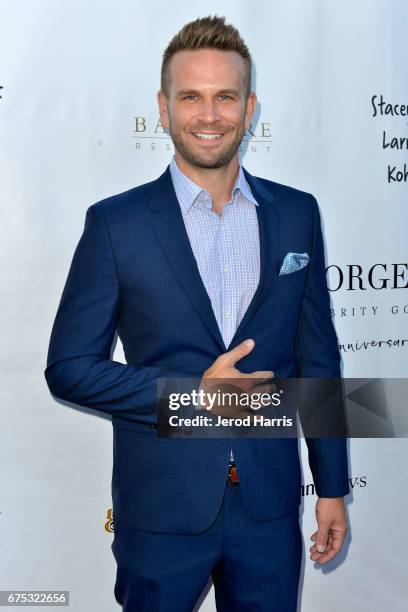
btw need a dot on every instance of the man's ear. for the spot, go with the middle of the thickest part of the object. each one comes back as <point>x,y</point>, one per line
<point>250,108</point>
<point>163,109</point>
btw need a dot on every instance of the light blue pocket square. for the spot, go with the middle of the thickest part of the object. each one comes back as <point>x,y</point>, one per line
<point>294,262</point>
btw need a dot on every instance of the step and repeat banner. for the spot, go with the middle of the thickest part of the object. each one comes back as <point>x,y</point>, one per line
<point>79,122</point>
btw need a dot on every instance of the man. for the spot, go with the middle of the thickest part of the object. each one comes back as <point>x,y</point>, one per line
<point>190,270</point>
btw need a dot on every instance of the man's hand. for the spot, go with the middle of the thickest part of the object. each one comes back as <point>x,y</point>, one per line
<point>232,380</point>
<point>331,529</point>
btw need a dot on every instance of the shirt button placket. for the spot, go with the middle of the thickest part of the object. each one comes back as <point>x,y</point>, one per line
<point>226,282</point>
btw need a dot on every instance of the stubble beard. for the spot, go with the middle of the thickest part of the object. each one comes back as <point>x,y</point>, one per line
<point>206,160</point>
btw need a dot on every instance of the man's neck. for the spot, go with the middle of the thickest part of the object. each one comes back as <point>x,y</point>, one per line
<point>217,181</point>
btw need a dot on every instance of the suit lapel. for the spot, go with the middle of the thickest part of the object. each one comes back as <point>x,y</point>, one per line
<point>167,221</point>
<point>268,223</point>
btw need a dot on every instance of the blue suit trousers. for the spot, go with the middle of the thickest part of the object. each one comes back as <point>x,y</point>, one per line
<point>254,565</point>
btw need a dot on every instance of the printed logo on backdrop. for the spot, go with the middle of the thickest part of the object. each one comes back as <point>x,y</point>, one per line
<point>379,276</point>
<point>307,490</point>
<point>358,285</point>
<point>392,140</point>
<point>109,521</point>
<point>150,135</point>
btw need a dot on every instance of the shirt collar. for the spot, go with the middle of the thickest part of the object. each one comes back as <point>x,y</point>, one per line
<point>187,191</point>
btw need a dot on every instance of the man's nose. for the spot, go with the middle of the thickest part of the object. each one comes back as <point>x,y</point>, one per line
<point>208,111</point>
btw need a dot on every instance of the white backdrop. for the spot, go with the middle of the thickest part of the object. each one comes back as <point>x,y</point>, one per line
<point>78,123</point>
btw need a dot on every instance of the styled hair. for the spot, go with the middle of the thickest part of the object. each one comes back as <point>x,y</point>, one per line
<point>206,33</point>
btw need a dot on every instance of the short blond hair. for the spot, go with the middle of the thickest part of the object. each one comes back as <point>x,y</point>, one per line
<point>206,33</point>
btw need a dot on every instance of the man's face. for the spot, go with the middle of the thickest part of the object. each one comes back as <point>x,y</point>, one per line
<point>207,109</point>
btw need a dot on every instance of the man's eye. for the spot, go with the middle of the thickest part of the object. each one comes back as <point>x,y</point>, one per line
<point>190,97</point>
<point>225,97</point>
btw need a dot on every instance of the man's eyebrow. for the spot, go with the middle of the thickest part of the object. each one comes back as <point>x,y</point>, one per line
<point>185,92</point>
<point>233,92</point>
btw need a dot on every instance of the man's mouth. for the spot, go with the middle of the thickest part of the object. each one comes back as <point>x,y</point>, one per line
<point>208,135</point>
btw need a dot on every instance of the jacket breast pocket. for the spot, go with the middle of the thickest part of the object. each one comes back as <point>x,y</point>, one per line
<point>293,277</point>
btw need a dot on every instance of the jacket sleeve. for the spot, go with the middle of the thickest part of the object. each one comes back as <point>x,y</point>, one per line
<point>317,356</point>
<point>79,368</point>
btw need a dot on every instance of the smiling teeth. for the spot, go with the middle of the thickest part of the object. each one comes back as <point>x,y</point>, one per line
<point>208,136</point>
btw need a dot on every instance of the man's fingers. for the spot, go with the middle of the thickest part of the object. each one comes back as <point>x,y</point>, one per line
<point>333,550</point>
<point>262,374</point>
<point>334,545</point>
<point>231,357</point>
<point>256,379</point>
<point>328,555</point>
<point>322,535</point>
<point>262,389</point>
<point>315,554</point>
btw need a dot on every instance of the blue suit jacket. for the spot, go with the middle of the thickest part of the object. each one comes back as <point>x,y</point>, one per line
<point>134,271</point>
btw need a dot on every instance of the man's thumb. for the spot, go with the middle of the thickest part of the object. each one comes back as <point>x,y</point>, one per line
<point>240,351</point>
<point>321,539</point>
